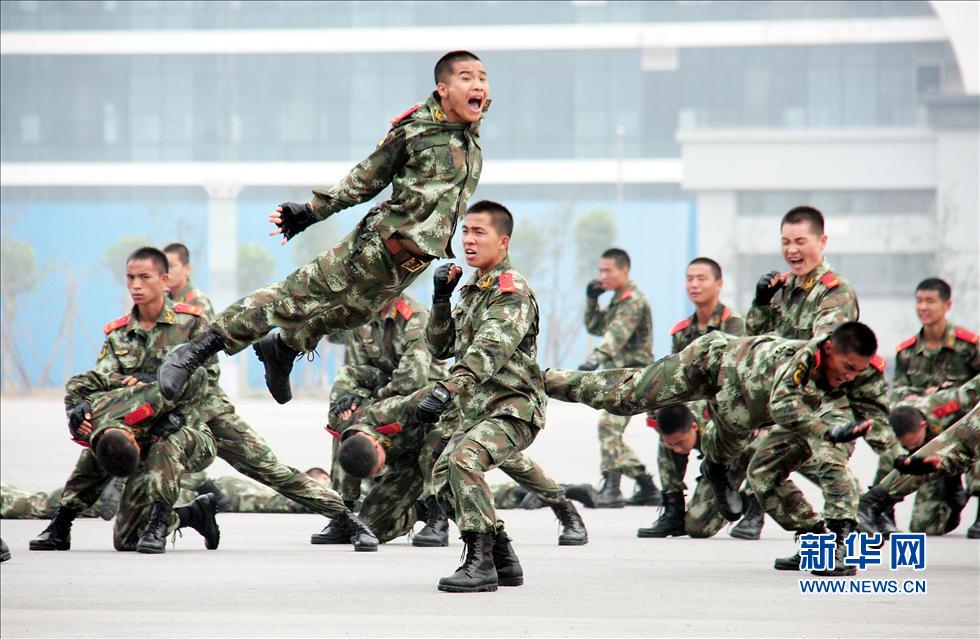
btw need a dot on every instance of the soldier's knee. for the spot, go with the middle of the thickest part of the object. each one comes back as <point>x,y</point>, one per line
<point>696,529</point>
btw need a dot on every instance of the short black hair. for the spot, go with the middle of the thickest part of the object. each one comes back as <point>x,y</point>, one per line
<point>938,285</point>
<point>674,418</point>
<point>809,214</point>
<point>444,67</point>
<point>155,255</point>
<point>854,337</point>
<point>500,218</point>
<point>116,453</point>
<point>357,456</point>
<point>180,251</point>
<point>707,261</point>
<point>905,420</point>
<point>618,255</point>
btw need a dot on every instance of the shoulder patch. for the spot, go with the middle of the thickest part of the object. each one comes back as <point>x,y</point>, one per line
<point>390,429</point>
<point>801,375</point>
<point>333,433</point>
<point>965,335</point>
<point>878,362</point>
<point>188,309</point>
<point>398,118</point>
<point>725,314</point>
<point>652,423</point>
<point>405,309</point>
<point>907,343</point>
<point>681,325</point>
<point>946,409</point>
<point>115,324</point>
<point>829,280</point>
<point>506,281</point>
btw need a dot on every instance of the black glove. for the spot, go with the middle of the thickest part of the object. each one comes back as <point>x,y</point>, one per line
<point>844,432</point>
<point>765,290</point>
<point>145,378</point>
<point>444,282</point>
<point>915,465</point>
<point>594,289</point>
<point>168,425</point>
<point>346,402</point>
<point>296,217</point>
<point>76,416</point>
<point>590,364</point>
<point>433,405</point>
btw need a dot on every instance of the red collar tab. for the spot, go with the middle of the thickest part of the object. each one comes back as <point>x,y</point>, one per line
<point>408,112</point>
<point>390,429</point>
<point>946,409</point>
<point>680,326</point>
<point>906,344</point>
<point>706,414</point>
<point>652,423</point>
<point>190,296</point>
<point>81,442</point>
<point>333,433</point>
<point>139,415</point>
<point>405,309</point>
<point>878,362</point>
<point>817,357</point>
<point>829,280</point>
<point>628,293</point>
<point>965,335</point>
<point>188,309</point>
<point>506,281</point>
<point>115,324</point>
<point>725,314</point>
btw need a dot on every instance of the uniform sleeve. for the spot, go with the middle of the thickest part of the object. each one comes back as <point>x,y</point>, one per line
<point>734,325</point>
<point>368,177</point>
<point>839,305</point>
<point>794,405</point>
<point>357,375</point>
<point>619,331</point>
<point>760,319</point>
<point>413,367</point>
<point>440,332</point>
<point>870,401</point>
<point>901,386</point>
<point>595,318</point>
<point>503,325</point>
<point>84,385</point>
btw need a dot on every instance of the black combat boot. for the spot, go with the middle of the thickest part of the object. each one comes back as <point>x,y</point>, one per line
<point>584,494</point>
<point>841,528</point>
<point>505,561</point>
<point>973,532</point>
<point>609,494</point>
<point>573,532</point>
<point>333,533</point>
<point>278,361</point>
<point>646,493</point>
<point>477,573</point>
<point>751,525</point>
<point>208,486</point>
<point>955,497</point>
<point>4,551</point>
<point>793,562</point>
<point>870,507</point>
<point>200,515</point>
<point>110,498</point>
<point>436,530</point>
<point>886,522</point>
<point>183,360</point>
<point>57,536</point>
<point>727,497</point>
<point>154,539</point>
<point>360,535</point>
<point>671,520</point>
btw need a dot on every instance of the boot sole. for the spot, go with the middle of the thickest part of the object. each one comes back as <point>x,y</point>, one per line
<point>511,581</point>
<point>33,547</point>
<point>483,588</point>
<point>567,542</point>
<point>328,542</point>
<point>786,567</point>
<point>429,544</point>
<point>672,533</point>
<point>365,549</point>
<point>149,551</point>
<point>746,536</point>
<point>280,398</point>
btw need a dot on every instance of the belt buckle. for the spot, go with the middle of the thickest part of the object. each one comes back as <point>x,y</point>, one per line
<point>414,265</point>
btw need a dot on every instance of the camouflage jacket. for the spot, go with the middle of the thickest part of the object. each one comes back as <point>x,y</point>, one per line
<point>388,356</point>
<point>958,446</point>
<point>918,368</point>
<point>626,328</point>
<point>804,309</point>
<point>492,333</point>
<point>944,407</point>
<point>195,297</point>
<point>867,397</point>
<point>433,166</point>
<point>722,319</point>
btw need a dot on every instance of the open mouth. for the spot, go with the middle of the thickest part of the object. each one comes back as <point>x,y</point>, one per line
<point>796,262</point>
<point>469,253</point>
<point>475,104</point>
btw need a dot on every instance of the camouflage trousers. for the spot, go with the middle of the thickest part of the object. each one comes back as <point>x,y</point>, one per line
<point>340,289</point>
<point>242,496</point>
<point>20,504</point>
<point>930,510</point>
<point>458,476</point>
<point>248,453</point>
<point>782,452</point>
<point>614,453</point>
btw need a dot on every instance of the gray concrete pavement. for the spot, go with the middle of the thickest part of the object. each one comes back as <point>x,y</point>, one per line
<point>267,580</point>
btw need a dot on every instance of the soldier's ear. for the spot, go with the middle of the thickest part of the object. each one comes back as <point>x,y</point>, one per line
<point>442,90</point>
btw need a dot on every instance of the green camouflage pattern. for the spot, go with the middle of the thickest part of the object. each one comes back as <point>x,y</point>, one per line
<point>614,453</point>
<point>625,326</point>
<point>804,309</point>
<point>722,319</point>
<point>242,495</point>
<point>918,368</point>
<point>20,504</point>
<point>493,336</point>
<point>194,296</point>
<point>433,166</point>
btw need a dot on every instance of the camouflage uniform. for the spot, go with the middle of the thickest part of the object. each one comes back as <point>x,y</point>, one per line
<point>918,368</point>
<point>194,296</point>
<point>671,465</point>
<point>130,349</point>
<point>242,495</point>
<point>20,504</point>
<point>941,408</point>
<point>626,328</point>
<point>433,166</point>
<point>497,384</point>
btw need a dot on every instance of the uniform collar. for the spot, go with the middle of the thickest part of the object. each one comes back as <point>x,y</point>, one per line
<point>438,116</point>
<point>628,290</point>
<point>822,269</point>
<point>948,341</point>
<point>182,292</point>
<point>714,321</point>
<point>166,314</point>
<point>483,282</point>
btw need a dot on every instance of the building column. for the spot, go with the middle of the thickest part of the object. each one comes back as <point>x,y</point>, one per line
<point>223,265</point>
